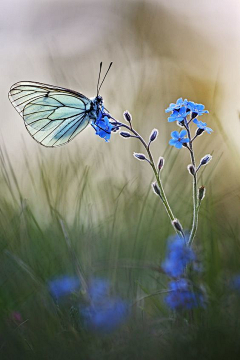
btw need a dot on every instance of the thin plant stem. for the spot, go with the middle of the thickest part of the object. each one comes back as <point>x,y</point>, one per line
<point>156,173</point>
<point>195,196</point>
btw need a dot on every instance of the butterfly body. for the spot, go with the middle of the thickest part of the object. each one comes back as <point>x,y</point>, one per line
<point>54,115</point>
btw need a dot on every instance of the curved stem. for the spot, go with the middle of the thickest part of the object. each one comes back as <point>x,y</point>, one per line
<point>157,176</point>
<point>195,196</point>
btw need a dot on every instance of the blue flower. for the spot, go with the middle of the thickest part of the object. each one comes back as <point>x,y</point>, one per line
<point>104,313</point>
<point>179,103</point>
<point>178,139</point>
<point>63,285</point>
<point>179,255</point>
<point>178,115</point>
<point>98,289</point>
<point>196,109</point>
<point>102,126</point>
<point>182,296</point>
<point>203,126</point>
<point>105,316</point>
<point>235,283</point>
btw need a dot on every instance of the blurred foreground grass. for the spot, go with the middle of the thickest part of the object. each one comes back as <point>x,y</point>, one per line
<point>117,230</point>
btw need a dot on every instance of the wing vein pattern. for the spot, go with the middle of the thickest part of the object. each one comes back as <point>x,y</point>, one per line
<point>52,115</point>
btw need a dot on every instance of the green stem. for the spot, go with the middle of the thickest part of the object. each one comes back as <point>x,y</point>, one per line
<point>195,195</point>
<point>157,176</point>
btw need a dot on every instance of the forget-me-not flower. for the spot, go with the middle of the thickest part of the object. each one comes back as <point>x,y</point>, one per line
<point>178,139</point>
<point>203,126</point>
<point>179,103</point>
<point>103,127</point>
<point>196,109</point>
<point>63,285</point>
<point>182,296</point>
<point>104,313</point>
<point>178,256</point>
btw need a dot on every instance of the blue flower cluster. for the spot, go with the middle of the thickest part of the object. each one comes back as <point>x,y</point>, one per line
<point>181,295</point>
<point>63,285</point>
<point>102,126</point>
<point>179,255</point>
<point>105,313</point>
<point>180,291</point>
<point>179,112</point>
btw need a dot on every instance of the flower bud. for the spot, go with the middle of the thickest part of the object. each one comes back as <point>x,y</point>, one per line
<point>139,156</point>
<point>201,193</point>
<point>161,162</point>
<point>153,135</point>
<point>125,134</point>
<point>205,160</point>
<point>177,225</point>
<point>191,169</point>
<point>127,116</point>
<point>156,189</point>
<point>199,132</point>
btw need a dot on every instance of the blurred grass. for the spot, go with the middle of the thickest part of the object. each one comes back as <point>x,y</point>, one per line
<point>118,230</point>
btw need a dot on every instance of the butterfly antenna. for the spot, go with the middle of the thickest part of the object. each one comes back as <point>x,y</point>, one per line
<point>105,75</point>
<point>99,77</point>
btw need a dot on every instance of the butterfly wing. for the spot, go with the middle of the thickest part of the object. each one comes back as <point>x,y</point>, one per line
<point>52,115</point>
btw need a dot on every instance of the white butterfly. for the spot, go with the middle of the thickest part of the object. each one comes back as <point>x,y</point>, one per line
<point>54,115</point>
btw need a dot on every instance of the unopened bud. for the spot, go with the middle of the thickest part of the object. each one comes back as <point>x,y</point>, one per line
<point>191,169</point>
<point>201,193</point>
<point>140,156</point>
<point>161,162</point>
<point>181,123</point>
<point>153,135</point>
<point>205,160</point>
<point>177,225</point>
<point>199,132</point>
<point>185,145</point>
<point>125,134</point>
<point>156,189</point>
<point>127,116</point>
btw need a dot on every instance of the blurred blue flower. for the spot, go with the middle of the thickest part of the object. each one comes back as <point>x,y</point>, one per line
<point>181,295</point>
<point>178,139</point>
<point>98,289</point>
<point>179,103</point>
<point>196,109</point>
<point>178,115</point>
<point>63,285</point>
<point>104,313</point>
<point>179,255</point>
<point>105,316</point>
<point>103,127</point>
<point>235,283</point>
<point>203,126</point>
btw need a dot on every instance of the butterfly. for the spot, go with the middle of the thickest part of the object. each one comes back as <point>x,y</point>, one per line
<point>54,115</point>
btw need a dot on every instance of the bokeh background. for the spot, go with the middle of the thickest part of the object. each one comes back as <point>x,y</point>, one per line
<point>161,50</point>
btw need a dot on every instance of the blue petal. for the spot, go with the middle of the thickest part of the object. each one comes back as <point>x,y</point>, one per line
<point>178,145</point>
<point>183,133</point>
<point>175,134</point>
<point>173,142</point>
